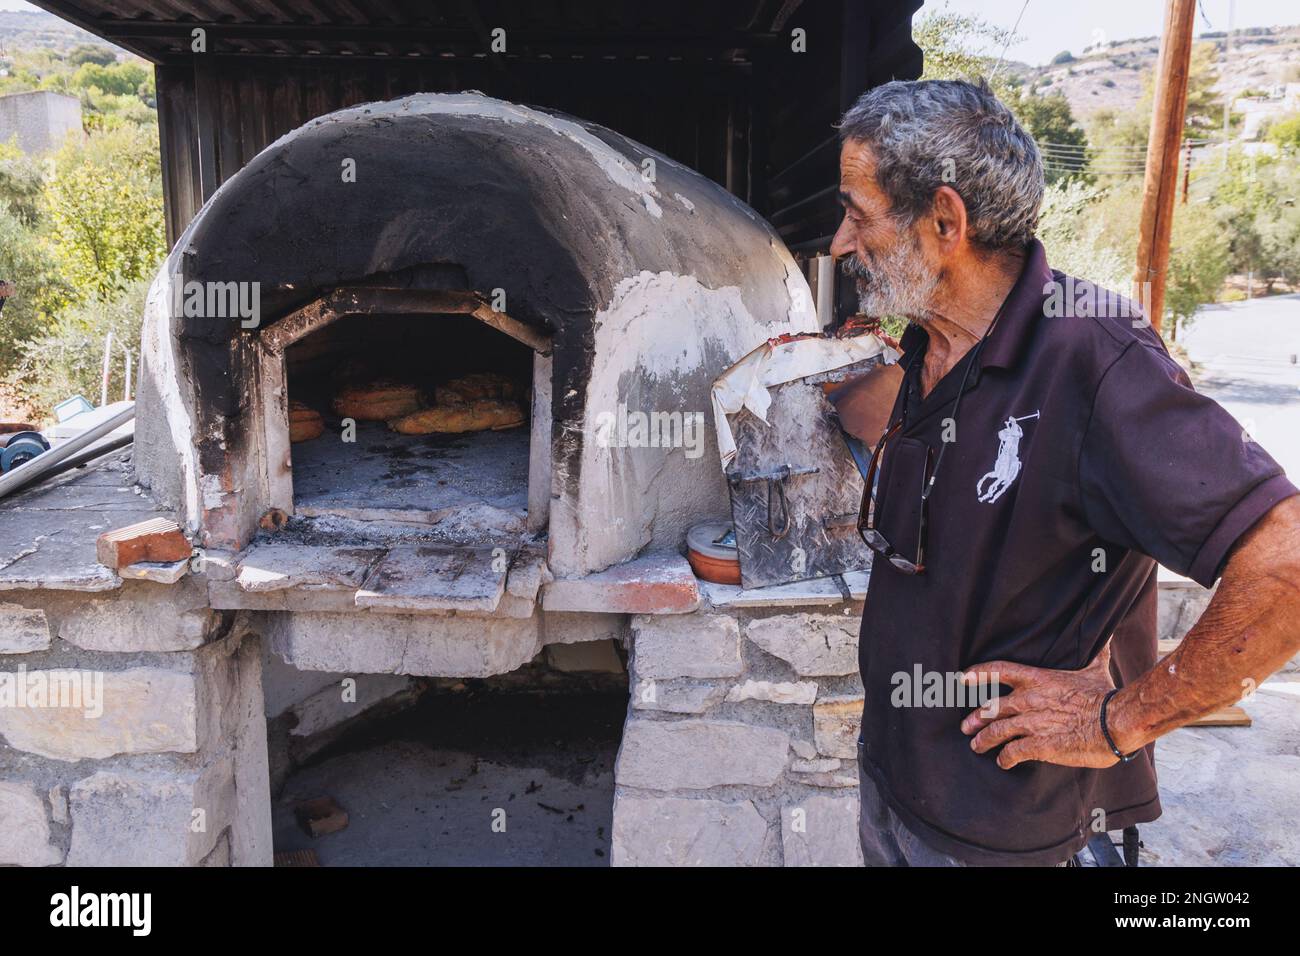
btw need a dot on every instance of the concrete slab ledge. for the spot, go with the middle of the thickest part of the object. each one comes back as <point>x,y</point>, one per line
<point>655,584</point>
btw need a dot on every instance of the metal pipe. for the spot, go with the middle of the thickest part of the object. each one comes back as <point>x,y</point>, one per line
<point>45,463</point>
<point>108,357</point>
<point>825,291</point>
<point>113,444</point>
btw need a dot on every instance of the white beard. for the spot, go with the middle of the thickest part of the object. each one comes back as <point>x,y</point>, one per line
<point>897,283</point>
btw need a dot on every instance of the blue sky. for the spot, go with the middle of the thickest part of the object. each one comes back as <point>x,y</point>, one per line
<point>1050,26</point>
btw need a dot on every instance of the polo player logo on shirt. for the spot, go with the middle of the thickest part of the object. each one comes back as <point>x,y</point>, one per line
<point>991,487</point>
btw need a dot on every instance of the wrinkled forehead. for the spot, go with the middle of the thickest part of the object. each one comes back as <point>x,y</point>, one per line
<point>858,185</point>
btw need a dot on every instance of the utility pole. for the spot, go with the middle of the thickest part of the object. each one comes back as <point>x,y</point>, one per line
<point>1160,186</point>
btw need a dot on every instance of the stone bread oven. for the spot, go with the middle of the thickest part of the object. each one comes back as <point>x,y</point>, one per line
<point>424,239</point>
<point>625,279</point>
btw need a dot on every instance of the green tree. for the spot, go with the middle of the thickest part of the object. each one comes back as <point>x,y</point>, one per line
<point>961,47</point>
<point>1124,133</point>
<point>1280,244</point>
<point>66,358</point>
<point>111,92</point>
<point>21,183</point>
<point>120,78</point>
<point>104,204</point>
<point>1248,194</point>
<point>1204,105</point>
<point>1052,124</point>
<point>91,53</point>
<point>41,292</point>
<point>1120,134</point>
<point>1199,261</point>
<point>958,46</point>
<point>1072,228</point>
<point>106,111</point>
<point>1199,249</point>
<point>1285,132</point>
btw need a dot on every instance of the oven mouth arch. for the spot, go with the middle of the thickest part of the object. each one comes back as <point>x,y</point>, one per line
<point>270,345</point>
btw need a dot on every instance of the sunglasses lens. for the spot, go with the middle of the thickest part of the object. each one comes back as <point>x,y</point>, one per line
<point>875,540</point>
<point>904,565</point>
<point>867,512</point>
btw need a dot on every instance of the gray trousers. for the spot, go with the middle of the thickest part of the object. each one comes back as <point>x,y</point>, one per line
<point>885,840</point>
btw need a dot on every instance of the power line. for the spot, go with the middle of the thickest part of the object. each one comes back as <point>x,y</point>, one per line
<point>1121,164</point>
<point>1076,148</point>
<point>1093,160</point>
<point>1120,147</point>
<point>1010,37</point>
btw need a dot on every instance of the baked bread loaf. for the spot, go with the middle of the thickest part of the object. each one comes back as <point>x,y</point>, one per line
<point>465,417</point>
<point>305,423</point>
<point>474,387</point>
<point>377,401</point>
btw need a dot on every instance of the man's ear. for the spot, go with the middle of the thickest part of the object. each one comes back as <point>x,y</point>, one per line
<point>949,217</point>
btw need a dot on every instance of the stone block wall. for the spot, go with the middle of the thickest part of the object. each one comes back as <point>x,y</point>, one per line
<point>740,743</point>
<point>1180,604</point>
<point>40,120</point>
<point>738,749</point>
<point>131,730</point>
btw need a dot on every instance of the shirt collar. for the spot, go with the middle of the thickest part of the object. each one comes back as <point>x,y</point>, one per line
<point>1016,319</point>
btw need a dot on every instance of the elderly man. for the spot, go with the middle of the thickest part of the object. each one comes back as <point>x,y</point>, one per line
<point>1039,461</point>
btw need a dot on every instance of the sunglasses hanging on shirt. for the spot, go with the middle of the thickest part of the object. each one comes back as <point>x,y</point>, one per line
<point>876,541</point>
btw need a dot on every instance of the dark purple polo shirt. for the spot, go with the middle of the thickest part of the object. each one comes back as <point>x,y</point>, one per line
<point>1111,449</point>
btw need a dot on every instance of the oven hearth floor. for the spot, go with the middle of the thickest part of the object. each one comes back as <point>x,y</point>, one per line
<point>467,485</point>
<point>420,788</point>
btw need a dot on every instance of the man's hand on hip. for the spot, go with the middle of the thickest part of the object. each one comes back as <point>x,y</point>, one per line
<point>1050,715</point>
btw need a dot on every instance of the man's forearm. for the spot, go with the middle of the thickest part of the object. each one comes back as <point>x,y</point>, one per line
<point>1250,629</point>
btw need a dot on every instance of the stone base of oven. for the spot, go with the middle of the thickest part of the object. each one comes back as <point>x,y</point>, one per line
<point>738,748</point>
<point>144,751</point>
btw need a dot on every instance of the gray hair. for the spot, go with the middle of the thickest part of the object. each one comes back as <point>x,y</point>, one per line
<point>925,134</point>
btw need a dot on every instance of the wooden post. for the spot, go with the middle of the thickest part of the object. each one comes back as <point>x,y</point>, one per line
<point>1160,185</point>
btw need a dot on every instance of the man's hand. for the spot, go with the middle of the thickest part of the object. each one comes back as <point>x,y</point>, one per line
<point>1249,630</point>
<point>1050,715</point>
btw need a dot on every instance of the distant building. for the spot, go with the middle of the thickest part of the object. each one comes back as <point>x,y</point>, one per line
<point>1258,111</point>
<point>40,119</point>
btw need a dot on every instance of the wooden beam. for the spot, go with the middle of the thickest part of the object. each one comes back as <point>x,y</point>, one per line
<point>1223,717</point>
<point>371,300</point>
<point>1160,185</point>
<point>205,128</point>
<point>594,41</point>
<point>78,18</point>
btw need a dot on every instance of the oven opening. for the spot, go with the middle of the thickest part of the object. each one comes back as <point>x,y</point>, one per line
<point>512,770</point>
<point>423,418</point>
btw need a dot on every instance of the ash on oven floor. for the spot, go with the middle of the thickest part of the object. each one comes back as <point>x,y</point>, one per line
<point>468,780</point>
<point>421,478</point>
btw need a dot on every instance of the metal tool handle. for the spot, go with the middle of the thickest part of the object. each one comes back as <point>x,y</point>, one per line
<point>779,485</point>
<point>775,480</point>
<point>779,473</point>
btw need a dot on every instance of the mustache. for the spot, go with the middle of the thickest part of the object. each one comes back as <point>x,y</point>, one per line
<point>854,267</point>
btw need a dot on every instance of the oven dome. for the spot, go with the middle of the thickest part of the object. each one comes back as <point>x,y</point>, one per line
<point>648,279</point>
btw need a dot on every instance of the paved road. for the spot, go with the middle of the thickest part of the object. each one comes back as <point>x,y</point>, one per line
<point>1231,795</point>
<point>1245,352</point>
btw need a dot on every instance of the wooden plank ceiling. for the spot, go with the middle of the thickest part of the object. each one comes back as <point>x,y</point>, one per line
<point>161,30</point>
